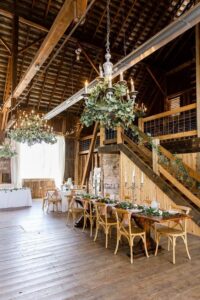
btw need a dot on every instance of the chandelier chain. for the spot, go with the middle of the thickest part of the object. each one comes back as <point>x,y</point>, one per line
<point>108,27</point>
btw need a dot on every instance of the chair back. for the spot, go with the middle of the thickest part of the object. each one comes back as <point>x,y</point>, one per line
<point>184,210</point>
<point>87,205</point>
<point>53,195</point>
<point>123,218</point>
<point>101,210</point>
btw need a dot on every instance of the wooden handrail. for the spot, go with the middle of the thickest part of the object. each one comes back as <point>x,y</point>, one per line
<point>192,173</point>
<point>179,186</point>
<point>170,112</point>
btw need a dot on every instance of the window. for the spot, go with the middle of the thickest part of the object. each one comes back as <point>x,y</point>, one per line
<point>43,161</point>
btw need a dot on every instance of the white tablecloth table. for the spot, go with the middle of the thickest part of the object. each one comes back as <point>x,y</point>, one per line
<point>15,198</point>
<point>64,195</point>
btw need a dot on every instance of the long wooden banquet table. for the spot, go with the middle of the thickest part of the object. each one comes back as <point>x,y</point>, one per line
<point>145,222</point>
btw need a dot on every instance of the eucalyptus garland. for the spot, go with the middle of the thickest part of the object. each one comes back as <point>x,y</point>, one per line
<point>31,130</point>
<point>6,151</point>
<point>111,109</point>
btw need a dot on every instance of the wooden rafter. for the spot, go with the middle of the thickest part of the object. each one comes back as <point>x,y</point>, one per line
<point>57,30</point>
<point>28,96</point>
<point>89,59</point>
<point>57,77</point>
<point>89,156</point>
<point>26,42</point>
<point>47,8</point>
<point>155,80</point>
<point>22,50</point>
<point>5,45</point>
<point>124,23</point>
<point>7,88</point>
<point>42,89</point>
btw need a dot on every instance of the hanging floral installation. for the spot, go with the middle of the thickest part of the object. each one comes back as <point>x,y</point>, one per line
<point>111,106</point>
<point>32,129</point>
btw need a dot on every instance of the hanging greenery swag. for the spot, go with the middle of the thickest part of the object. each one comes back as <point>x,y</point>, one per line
<point>6,151</point>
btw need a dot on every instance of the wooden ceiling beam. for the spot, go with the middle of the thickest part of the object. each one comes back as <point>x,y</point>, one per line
<point>22,50</point>
<point>89,59</point>
<point>47,9</point>
<point>180,67</point>
<point>5,46</point>
<point>61,23</point>
<point>166,35</point>
<point>43,28</point>
<point>155,80</point>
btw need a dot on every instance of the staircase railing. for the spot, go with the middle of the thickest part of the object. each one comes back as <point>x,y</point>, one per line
<point>181,176</point>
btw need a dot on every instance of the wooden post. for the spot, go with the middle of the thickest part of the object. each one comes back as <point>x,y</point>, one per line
<point>76,159</point>
<point>141,124</point>
<point>119,135</point>
<point>102,136</point>
<point>155,157</point>
<point>90,153</point>
<point>197,37</point>
<point>76,163</point>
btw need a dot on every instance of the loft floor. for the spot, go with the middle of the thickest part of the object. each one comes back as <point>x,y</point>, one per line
<point>41,258</point>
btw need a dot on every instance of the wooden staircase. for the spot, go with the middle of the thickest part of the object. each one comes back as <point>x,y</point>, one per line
<point>140,154</point>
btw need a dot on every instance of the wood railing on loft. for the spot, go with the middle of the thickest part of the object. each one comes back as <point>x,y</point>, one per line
<point>84,143</point>
<point>176,123</point>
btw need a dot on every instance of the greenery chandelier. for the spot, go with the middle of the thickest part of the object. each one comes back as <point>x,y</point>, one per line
<point>6,150</point>
<point>110,104</point>
<point>31,128</point>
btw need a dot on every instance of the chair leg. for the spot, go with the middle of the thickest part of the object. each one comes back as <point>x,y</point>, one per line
<point>131,249</point>
<point>174,246</point>
<point>96,233</point>
<point>145,245</point>
<point>84,222</point>
<point>186,246</point>
<point>157,243</point>
<point>110,231</point>
<point>106,233</point>
<point>68,214</point>
<point>117,243</point>
<point>91,227</point>
<point>73,218</point>
<point>168,244</point>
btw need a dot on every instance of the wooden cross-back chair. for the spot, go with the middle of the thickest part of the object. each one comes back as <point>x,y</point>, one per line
<point>88,213</point>
<point>74,209</point>
<point>179,229</point>
<point>104,219</point>
<point>52,197</point>
<point>126,228</point>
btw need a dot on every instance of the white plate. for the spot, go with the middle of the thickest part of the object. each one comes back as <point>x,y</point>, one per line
<point>173,212</point>
<point>135,210</point>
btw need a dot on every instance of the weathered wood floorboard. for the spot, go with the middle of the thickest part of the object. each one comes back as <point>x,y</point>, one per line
<point>42,258</point>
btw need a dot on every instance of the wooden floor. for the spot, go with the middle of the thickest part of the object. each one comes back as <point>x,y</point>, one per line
<point>41,258</point>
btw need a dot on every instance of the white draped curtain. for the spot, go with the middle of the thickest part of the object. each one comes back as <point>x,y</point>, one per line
<point>39,161</point>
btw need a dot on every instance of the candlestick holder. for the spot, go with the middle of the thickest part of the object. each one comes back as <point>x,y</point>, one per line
<point>85,95</point>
